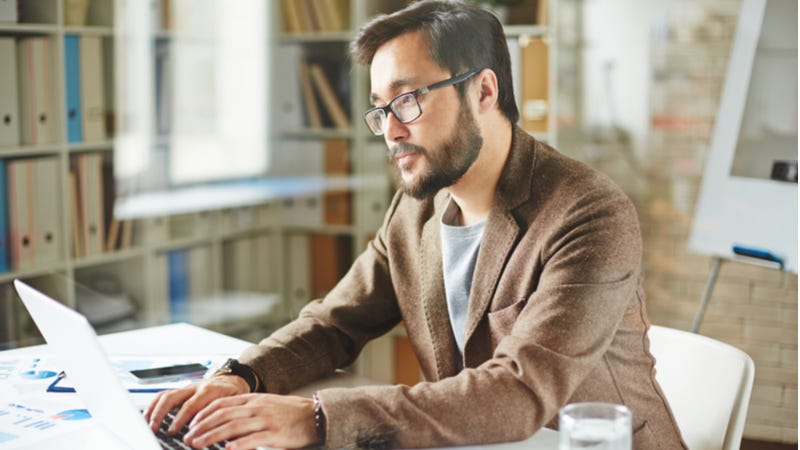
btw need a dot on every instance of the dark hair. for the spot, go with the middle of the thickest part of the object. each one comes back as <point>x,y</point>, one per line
<point>460,37</point>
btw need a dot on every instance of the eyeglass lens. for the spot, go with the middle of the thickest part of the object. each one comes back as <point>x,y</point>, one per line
<point>405,108</point>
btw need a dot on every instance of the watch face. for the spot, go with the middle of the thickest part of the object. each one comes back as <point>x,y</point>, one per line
<point>226,368</point>
<point>214,368</point>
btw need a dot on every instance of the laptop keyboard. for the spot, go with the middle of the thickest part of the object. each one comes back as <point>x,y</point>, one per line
<point>175,442</point>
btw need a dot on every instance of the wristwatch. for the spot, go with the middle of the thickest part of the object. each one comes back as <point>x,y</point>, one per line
<point>234,367</point>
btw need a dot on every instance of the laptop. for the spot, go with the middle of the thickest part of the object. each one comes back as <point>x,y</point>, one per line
<point>74,342</point>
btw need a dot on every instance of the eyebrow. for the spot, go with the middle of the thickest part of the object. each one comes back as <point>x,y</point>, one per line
<point>393,87</point>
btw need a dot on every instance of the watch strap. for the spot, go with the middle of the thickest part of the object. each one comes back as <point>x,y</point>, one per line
<point>247,373</point>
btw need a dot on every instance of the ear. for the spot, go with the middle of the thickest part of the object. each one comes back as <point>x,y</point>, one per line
<point>487,85</point>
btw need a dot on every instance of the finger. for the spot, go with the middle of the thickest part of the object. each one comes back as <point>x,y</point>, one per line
<point>165,402</point>
<point>189,408</point>
<point>259,439</point>
<point>253,440</point>
<point>216,405</point>
<point>149,410</point>
<point>230,423</point>
<point>206,394</point>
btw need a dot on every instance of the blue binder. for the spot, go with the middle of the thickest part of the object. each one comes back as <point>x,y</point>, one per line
<point>178,270</point>
<point>72,75</point>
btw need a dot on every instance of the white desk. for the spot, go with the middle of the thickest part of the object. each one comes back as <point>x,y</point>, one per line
<point>180,339</point>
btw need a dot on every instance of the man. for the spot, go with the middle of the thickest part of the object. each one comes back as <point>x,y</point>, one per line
<point>516,271</point>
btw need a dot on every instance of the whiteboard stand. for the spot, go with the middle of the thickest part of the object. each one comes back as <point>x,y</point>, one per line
<point>712,279</point>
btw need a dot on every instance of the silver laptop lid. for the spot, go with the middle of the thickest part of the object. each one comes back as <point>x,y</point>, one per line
<point>75,345</point>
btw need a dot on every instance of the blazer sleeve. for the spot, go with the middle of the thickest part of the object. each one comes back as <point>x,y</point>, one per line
<point>329,333</point>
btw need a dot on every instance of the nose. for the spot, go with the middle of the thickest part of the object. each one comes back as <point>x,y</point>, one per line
<point>396,131</point>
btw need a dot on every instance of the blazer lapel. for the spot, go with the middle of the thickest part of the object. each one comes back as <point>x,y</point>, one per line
<point>433,296</point>
<point>492,257</point>
<point>502,230</point>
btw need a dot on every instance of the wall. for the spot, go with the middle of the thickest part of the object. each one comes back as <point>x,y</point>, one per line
<point>670,60</point>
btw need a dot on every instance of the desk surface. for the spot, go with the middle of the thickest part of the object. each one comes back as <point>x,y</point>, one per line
<point>178,339</point>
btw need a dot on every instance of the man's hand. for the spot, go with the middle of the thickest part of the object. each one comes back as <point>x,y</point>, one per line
<point>252,420</point>
<point>193,398</point>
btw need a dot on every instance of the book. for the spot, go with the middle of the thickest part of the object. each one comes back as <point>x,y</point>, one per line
<point>326,92</point>
<point>75,215</point>
<point>309,98</point>
<point>330,259</point>
<point>337,205</point>
<point>316,15</point>
<point>291,16</point>
<point>336,14</point>
<point>75,12</point>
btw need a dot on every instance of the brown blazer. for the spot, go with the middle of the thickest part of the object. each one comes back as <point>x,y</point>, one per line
<point>556,315</point>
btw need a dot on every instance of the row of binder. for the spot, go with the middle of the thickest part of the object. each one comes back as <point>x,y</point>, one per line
<point>248,265</point>
<point>30,212</point>
<point>28,90</point>
<point>95,230</point>
<point>30,235</point>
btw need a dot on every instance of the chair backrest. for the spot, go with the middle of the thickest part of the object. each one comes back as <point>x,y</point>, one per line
<point>707,384</point>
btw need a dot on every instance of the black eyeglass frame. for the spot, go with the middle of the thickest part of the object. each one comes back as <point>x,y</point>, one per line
<point>416,93</point>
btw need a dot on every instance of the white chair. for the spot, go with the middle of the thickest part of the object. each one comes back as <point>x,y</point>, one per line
<point>707,384</point>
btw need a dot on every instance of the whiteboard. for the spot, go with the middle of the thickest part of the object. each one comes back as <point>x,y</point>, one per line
<point>756,124</point>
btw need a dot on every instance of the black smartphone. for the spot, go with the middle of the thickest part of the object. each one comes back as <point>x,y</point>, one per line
<point>167,373</point>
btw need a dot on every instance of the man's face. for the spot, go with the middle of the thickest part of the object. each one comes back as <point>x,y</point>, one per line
<point>435,150</point>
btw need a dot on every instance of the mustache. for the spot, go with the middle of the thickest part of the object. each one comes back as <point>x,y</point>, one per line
<point>404,148</point>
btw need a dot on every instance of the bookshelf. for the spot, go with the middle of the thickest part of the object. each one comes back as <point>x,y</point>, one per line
<point>268,258</point>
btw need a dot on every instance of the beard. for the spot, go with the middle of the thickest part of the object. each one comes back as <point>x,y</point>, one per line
<point>447,164</point>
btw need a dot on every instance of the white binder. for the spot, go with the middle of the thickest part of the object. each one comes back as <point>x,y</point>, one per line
<point>36,93</point>
<point>9,100</point>
<point>20,209</point>
<point>90,187</point>
<point>45,195</point>
<point>299,275</point>
<point>8,11</point>
<point>93,108</point>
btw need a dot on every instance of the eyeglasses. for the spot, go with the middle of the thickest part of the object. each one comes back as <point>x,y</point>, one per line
<point>406,107</point>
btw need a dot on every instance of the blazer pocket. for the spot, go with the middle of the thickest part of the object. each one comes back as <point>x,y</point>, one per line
<point>502,321</point>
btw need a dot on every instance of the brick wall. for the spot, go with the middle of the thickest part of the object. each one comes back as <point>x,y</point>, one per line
<point>751,307</point>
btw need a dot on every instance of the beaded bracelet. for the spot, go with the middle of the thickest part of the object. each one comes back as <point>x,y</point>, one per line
<point>319,419</point>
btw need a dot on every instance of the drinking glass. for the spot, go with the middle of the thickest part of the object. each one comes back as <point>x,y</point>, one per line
<point>595,426</point>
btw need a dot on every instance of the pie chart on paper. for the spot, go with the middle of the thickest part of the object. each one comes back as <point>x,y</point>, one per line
<point>72,414</point>
<point>37,374</point>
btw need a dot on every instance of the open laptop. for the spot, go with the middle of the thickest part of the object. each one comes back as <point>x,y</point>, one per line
<point>74,342</point>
